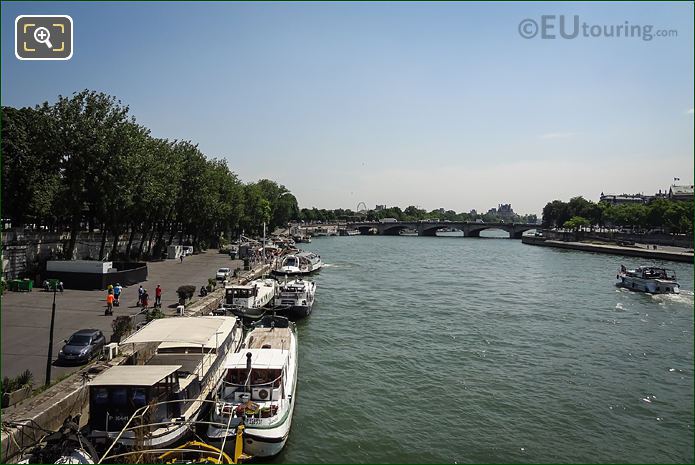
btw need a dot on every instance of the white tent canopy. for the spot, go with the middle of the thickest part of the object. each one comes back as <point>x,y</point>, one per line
<point>134,375</point>
<point>195,331</point>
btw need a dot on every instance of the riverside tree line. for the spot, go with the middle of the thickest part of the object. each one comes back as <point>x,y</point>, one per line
<point>672,216</point>
<point>411,213</point>
<point>84,162</point>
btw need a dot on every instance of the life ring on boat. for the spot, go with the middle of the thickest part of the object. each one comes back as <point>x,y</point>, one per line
<point>263,394</point>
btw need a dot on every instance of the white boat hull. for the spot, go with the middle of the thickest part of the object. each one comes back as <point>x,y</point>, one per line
<point>449,233</point>
<point>652,286</point>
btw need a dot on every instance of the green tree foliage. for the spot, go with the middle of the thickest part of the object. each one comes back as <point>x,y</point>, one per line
<point>669,215</point>
<point>84,162</point>
<point>576,222</point>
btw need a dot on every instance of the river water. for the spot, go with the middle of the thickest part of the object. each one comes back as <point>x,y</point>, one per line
<point>459,350</point>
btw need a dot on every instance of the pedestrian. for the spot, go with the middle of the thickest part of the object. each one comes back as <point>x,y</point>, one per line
<point>145,297</point>
<point>60,286</point>
<point>181,258</point>
<point>141,291</point>
<point>158,296</point>
<point>46,285</point>
<point>117,294</point>
<point>109,304</point>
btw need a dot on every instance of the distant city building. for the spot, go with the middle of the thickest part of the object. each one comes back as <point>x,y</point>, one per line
<point>681,192</point>
<point>504,211</point>
<point>618,199</point>
<point>441,211</point>
<point>380,207</point>
<point>473,212</point>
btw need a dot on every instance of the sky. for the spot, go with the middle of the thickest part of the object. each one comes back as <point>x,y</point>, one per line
<point>427,104</point>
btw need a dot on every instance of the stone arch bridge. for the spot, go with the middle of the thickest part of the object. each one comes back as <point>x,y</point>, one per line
<point>426,228</point>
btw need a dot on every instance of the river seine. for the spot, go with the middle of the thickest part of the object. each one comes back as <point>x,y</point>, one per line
<point>459,350</point>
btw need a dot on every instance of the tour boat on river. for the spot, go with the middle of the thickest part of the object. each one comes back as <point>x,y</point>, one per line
<point>301,263</point>
<point>448,232</point>
<point>257,391</point>
<point>154,405</point>
<point>249,300</point>
<point>650,279</point>
<point>297,296</point>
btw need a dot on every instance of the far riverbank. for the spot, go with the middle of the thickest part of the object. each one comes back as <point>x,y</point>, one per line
<point>674,253</point>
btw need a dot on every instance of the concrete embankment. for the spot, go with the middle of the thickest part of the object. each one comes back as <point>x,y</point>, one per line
<point>25,423</point>
<point>686,257</point>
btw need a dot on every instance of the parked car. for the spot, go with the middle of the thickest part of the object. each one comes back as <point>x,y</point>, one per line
<point>82,346</point>
<point>222,274</point>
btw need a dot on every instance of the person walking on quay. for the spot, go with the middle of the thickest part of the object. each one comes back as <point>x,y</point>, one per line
<point>181,258</point>
<point>141,291</point>
<point>158,296</point>
<point>109,304</point>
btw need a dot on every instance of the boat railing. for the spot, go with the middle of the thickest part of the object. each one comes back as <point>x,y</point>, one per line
<point>139,426</point>
<point>273,382</point>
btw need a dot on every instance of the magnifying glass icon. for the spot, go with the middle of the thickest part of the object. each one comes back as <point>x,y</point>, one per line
<point>43,36</point>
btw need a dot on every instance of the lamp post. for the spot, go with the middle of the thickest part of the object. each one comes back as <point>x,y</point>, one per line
<point>50,337</point>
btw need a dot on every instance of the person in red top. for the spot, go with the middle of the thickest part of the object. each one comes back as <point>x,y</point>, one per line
<point>109,304</point>
<point>158,296</point>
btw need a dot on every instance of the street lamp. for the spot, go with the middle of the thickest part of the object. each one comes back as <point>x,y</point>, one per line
<point>50,337</point>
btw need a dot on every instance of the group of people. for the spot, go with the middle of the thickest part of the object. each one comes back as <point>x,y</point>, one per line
<point>113,297</point>
<point>114,293</point>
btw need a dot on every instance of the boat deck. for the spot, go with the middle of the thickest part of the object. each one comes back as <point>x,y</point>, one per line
<point>270,338</point>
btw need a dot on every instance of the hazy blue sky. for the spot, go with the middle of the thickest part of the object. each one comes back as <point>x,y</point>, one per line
<point>438,105</point>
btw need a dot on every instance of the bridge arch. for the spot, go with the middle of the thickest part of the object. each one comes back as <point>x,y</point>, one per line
<point>364,230</point>
<point>393,230</point>
<point>475,231</point>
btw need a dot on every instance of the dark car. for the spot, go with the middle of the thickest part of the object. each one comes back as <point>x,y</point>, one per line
<point>82,346</point>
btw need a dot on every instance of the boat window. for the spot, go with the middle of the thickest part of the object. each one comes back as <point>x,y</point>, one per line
<point>239,293</point>
<point>138,397</point>
<point>119,397</point>
<point>160,392</point>
<point>101,396</point>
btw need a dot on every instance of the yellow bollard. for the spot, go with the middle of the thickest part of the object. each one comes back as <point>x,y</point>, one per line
<point>239,443</point>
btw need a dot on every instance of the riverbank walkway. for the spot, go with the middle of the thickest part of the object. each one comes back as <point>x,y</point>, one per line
<point>647,251</point>
<point>26,316</point>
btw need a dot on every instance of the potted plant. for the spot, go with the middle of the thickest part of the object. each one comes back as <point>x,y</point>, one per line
<point>185,293</point>
<point>155,314</point>
<point>17,389</point>
<point>122,326</point>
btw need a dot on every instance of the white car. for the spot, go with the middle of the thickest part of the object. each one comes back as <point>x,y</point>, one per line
<point>222,274</point>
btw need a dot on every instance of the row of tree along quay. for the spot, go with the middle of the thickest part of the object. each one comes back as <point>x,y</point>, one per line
<point>670,216</point>
<point>85,163</point>
<point>410,213</point>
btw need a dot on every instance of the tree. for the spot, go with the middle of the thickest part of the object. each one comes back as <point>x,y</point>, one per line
<point>576,222</point>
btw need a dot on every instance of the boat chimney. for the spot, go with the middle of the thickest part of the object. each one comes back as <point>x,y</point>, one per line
<point>247,384</point>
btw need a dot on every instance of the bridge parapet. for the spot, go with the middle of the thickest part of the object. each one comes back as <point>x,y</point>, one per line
<point>427,228</point>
